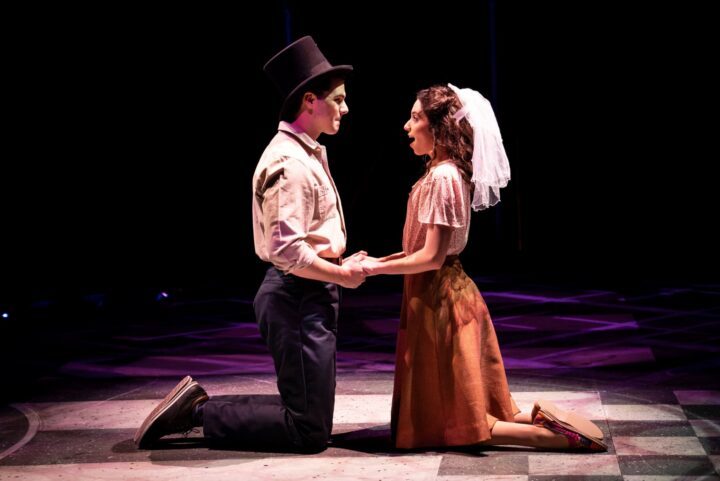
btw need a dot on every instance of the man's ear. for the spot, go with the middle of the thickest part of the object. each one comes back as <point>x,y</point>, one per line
<point>309,97</point>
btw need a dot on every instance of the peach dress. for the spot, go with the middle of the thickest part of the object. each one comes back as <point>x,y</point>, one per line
<point>450,386</point>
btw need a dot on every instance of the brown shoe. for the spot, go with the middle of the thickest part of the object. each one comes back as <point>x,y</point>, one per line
<point>580,432</point>
<point>173,414</point>
<point>575,440</point>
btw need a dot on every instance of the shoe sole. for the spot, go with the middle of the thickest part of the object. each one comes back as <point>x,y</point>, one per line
<point>177,391</point>
<point>572,421</point>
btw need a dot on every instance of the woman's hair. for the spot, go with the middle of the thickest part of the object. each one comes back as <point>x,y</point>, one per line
<point>440,103</point>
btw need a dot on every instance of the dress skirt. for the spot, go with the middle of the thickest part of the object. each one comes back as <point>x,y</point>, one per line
<point>450,385</point>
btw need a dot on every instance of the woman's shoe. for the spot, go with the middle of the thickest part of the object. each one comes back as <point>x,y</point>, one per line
<point>584,433</point>
<point>575,439</point>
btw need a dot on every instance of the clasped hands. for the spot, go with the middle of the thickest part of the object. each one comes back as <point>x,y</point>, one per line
<point>358,266</point>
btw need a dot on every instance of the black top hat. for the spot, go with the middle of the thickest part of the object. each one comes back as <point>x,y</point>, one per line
<point>296,65</point>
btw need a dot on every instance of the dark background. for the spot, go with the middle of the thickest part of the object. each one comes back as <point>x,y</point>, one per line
<point>136,134</point>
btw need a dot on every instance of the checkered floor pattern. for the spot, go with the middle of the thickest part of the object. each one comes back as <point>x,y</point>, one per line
<point>654,435</point>
<point>641,364</point>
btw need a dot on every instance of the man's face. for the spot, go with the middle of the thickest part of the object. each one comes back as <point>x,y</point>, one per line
<point>331,108</point>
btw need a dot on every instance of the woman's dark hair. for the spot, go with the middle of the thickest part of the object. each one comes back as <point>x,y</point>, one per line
<point>440,103</point>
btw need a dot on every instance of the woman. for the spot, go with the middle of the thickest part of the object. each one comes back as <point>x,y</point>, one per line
<point>450,385</point>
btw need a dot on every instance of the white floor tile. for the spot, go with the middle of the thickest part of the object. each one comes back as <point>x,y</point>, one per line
<point>362,408</point>
<point>349,409</point>
<point>92,414</point>
<point>489,477</point>
<point>411,468</point>
<point>661,446</point>
<point>644,412</point>
<point>573,464</point>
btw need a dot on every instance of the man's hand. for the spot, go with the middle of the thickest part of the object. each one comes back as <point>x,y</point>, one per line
<point>371,266</point>
<point>359,255</point>
<point>353,274</point>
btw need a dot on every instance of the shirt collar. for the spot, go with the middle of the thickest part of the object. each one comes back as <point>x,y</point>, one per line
<point>311,144</point>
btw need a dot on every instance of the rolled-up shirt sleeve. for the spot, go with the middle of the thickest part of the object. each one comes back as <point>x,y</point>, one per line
<point>288,205</point>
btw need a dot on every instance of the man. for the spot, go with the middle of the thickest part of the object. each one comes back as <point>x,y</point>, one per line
<point>299,228</point>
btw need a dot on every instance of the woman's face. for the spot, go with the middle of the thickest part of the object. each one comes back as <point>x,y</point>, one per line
<point>418,129</point>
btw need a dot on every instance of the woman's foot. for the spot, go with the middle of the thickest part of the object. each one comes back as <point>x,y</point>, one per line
<point>568,419</point>
<point>575,440</point>
<point>581,433</point>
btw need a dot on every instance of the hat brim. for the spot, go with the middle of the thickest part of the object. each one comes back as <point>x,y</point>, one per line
<point>341,70</point>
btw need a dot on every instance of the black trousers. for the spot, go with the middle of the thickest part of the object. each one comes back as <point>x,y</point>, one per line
<point>298,321</point>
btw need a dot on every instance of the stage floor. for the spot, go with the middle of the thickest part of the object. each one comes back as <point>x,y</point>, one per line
<point>641,364</point>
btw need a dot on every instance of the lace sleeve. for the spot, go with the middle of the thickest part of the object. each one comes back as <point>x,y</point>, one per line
<point>442,199</point>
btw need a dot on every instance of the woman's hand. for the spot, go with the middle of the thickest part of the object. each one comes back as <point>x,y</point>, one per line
<point>371,266</point>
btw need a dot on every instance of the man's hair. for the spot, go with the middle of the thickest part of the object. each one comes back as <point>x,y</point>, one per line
<point>320,86</point>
